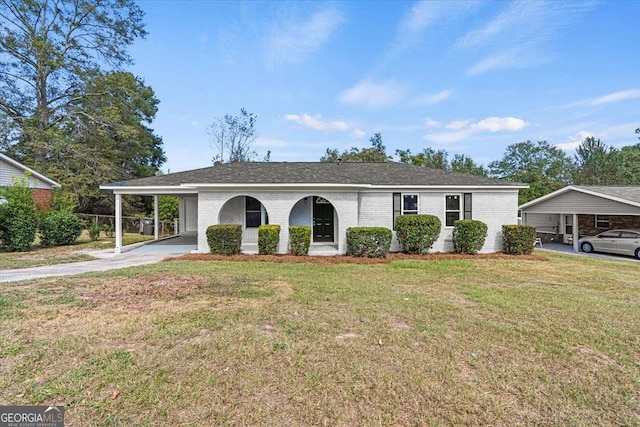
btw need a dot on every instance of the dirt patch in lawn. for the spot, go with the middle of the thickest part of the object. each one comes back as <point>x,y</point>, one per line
<point>144,288</point>
<point>344,259</point>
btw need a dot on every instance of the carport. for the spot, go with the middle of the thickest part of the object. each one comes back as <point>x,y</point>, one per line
<point>182,244</point>
<point>577,210</point>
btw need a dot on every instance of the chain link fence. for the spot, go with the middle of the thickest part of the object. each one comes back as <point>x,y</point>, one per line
<point>131,224</point>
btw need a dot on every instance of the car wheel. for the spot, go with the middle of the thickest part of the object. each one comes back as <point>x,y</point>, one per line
<point>586,247</point>
<point>638,253</point>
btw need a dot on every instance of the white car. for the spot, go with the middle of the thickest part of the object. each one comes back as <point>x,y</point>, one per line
<point>622,242</point>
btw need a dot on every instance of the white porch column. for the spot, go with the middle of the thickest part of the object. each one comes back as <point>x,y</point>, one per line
<point>576,233</point>
<point>118,223</point>
<point>156,220</point>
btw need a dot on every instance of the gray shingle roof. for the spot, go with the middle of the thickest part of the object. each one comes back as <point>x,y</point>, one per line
<point>382,174</point>
<point>631,193</point>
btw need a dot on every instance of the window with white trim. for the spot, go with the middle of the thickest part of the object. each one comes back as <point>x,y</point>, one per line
<point>452,209</point>
<point>602,221</point>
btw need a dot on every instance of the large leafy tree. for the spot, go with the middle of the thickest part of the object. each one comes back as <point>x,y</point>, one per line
<point>428,157</point>
<point>628,160</point>
<point>596,163</point>
<point>66,107</point>
<point>544,167</point>
<point>439,159</point>
<point>49,49</point>
<point>462,163</point>
<point>376,153</point>
<point>109,139</point>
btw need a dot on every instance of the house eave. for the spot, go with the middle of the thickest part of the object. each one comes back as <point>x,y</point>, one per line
<point>580,190</point>
<point>194,188</point>
<point>149,190</point>
<point>33,173</point>
<point>347,187</point>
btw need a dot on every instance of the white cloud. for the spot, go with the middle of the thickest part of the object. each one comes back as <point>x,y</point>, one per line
<point>622,95</point>
<point>521,35</point>
<point>457,124</point>
<point>431,123</point>
<point>358,133</point>
<point>290,42</point>
<point>464,129</point>
<point>317,122</point>
<point>420,15</point>
<point>498,60</point>
<point>444,138</point>
<point>371,94</point>
<point>431,99</point>
<point>574,141</point>
<point>497,124</point>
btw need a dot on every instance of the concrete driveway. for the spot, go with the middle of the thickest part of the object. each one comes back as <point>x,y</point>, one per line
<point>141,254</point>
<point>107,260</point>
<point>567,249</point>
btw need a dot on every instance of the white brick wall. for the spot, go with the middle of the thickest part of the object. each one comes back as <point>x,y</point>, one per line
<point>301,213</point>
<point>278,205</point>
<point>371,209</point>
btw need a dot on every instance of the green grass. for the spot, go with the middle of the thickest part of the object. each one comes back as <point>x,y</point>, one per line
<point>40,255</point>
<point>442,342</point>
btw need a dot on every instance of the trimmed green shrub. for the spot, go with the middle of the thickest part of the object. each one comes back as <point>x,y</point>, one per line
<point>268,239</point>
<point>224,239</point>
<point>300,239</point>
<point>18,220</point>
<point>417,233</point>
<point>371,242</point>
<point>518,239</point>
<point>469,236</point>
<point>60,228</point>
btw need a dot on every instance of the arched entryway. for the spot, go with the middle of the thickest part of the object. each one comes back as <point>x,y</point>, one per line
<point>318,213</point>
<point>248,212</point>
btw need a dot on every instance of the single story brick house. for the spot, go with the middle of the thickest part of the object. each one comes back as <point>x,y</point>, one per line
<point>593,208</point>
<point>329,197</point>
<point>41,185</point>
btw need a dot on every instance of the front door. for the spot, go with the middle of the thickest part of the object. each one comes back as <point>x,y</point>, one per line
<point>322,220</point>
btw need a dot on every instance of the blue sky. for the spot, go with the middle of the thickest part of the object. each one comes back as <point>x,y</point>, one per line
<point>467,77</point>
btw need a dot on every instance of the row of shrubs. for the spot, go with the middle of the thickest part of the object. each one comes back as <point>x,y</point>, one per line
<point>226,239</point>
<point>415,233</point>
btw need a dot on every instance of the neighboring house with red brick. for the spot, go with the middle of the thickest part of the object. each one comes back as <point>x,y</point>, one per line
<point>592,208</point>
<point>41,185</point>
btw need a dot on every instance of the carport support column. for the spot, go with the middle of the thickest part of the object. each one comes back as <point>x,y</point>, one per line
<point>576,233</point>
<point>118,223</point>
<point>156,220</point>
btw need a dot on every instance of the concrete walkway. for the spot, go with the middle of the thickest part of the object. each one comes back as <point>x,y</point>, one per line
<point>107,260</point>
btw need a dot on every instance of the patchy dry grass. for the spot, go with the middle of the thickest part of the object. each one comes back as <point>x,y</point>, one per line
<point>410,342</point>
<point>40,255</point>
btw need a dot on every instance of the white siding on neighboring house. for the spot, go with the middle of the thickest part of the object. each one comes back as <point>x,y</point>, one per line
<point>580,203</point>
<point>8,172</point>
<point>543,222</point>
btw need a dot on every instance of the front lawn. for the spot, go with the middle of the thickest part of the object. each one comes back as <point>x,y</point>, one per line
<point>40,255</point>
<point>410,342</point>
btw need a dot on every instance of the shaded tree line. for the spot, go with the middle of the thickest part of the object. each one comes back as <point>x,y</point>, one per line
<point>543,166</point>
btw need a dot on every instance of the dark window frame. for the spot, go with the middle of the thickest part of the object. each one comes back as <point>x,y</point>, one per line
<point>447,212</point>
